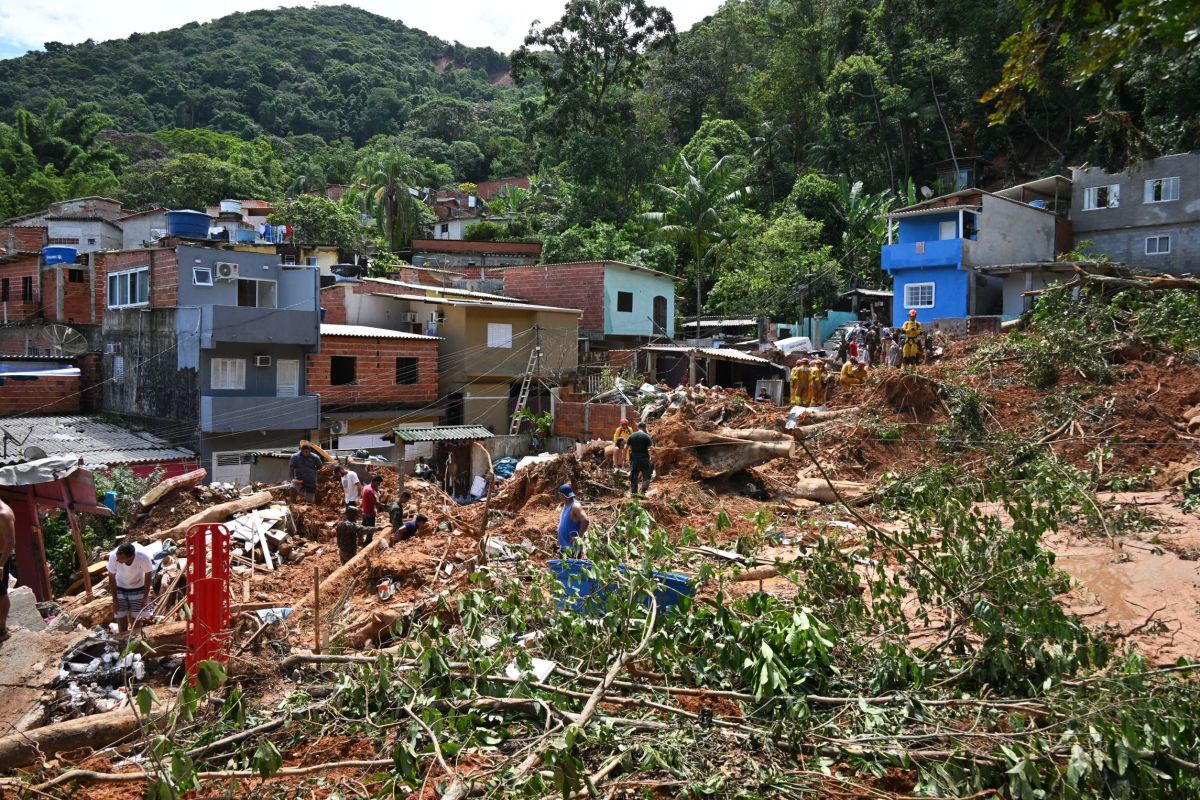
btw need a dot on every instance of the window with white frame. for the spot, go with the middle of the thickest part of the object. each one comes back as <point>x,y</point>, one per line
<point>202,276</point>
<point>1158,245</point>
<point>918,295</point>
<point>1161,190</point>
<point>229,373</point>
<point>1097,197</point>
<point>130,287</point>
<point>500,335</point>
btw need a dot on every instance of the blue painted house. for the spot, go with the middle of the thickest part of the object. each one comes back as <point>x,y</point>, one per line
<point>936,250</point>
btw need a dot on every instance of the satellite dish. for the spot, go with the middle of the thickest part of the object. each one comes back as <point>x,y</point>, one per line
<point>63,340</point>
<point>32,452</point>
<point>926,192</point>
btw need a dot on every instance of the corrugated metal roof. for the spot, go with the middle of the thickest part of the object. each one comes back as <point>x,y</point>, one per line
<point>363,331</point>
<point>98,443</point>
<point>446,433</point>
<point>446,301</point>
<point>446,290</point>
<point>718,353</point>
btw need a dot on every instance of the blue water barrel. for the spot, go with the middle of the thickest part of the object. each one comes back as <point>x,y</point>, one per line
<point>110,500</point>
<point>188,224</point>
<point>59,254</point>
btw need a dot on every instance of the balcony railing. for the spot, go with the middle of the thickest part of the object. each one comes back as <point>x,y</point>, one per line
<point>242,413</point>
<point>936,253</point>
<point>243,324</point>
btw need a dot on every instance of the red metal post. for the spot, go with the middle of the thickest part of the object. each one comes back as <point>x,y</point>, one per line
<point>208,631</point>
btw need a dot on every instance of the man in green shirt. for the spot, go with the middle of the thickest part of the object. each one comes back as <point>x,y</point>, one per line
<point>639,459</point>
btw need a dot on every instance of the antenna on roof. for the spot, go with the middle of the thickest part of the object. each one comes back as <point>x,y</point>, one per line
<point>926,192</point>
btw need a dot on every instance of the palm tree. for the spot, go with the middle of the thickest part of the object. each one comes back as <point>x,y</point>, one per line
<point>697,211</point>
<point>864,229</point>
<point>387,194</point>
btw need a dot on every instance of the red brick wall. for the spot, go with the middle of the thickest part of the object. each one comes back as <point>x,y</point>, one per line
<point>77,299</point>
<point>164,275</point>
<point>19,239</point>
<point>621,359</point>
<point>15,272</point>
<point>91,379</point>
<point>48,395</point>
<point>375,372</point>
<point>583,421</point>
<point>565,285</point>
<point>333,300</point>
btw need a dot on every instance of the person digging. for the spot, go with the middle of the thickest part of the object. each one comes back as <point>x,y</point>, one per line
<point>302,469</point>
<point>130,570</point>
<point>572,523</point>
<point>639,460</point>
<point>351,535</point>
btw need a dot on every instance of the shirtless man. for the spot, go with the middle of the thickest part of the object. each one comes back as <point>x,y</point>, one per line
<point>8,546</point>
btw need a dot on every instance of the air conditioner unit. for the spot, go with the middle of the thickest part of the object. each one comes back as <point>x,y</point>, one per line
<point>339,426</point>
<point>262,361</point>
<point>227,271</point>
<point>437,317</point>
<point>408,316</point>
<point>112,348</point>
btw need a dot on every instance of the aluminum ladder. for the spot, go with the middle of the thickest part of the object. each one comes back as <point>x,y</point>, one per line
<point>523,395</point>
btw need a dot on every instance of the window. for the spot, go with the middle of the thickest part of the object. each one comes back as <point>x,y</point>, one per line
<point>256,294</point>
<point>1161,190</point>
<point>229,373</point>
<point>289,261</point>
<point>118,366</point>
<point>202,276</point>
<point>74,276</point>
<point>624,301</point>
<point>500,335</point>
<point>342,369</point>
<point>660,314</point>
<point>1096,197</point>
<point>406,370</point>
<point>311,261</point>
<point>4,290</point>
<point>1158,245</point>
<point>27,288</point>
<point>948,229</point>
<point>918,295</point>
<point>129,287</point>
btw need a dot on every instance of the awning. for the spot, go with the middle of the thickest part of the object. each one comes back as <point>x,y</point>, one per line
<point>715,353</point>
<point>57,481</point>
<point>445,433</point>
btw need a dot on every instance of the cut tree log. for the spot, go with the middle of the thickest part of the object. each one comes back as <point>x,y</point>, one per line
<point>217,513</point>
<point>819,489</point>
<point>186,480</point>
<point>93,732</point>
<point>754,434</point>
<point>723,457</point>
<point>354,568</point>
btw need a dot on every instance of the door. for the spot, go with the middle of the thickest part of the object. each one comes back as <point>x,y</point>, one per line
<point>948,229</point>
<point>232,468</point>
<point>287,377</point>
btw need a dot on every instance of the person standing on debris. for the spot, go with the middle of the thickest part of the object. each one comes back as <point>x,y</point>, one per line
<point>302,469</point>
<point>873,344</point>
<point>799,381</point>
<point>370,499</point>
<point>893,352</point>
<point>621,439</point>
<point>351,485</point>
<point>351,535</point>
<point>816,383</point>
<point>411,528</point>
<point>130,570</point>
<point>911,352</point>
<point>639,459</point>
<point>8,546</point>
<point>396,512</point>
<point>422,469</point>
<point>572,523</point>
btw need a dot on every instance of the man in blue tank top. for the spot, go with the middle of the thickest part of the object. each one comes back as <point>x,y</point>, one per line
<point>572,523</point>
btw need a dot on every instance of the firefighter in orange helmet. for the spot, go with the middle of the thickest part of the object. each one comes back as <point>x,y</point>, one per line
<point>911,351</point>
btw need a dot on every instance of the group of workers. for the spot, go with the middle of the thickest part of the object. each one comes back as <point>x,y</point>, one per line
<point>864,345</point>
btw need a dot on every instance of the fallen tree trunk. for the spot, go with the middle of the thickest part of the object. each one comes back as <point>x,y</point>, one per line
<point>820,490</point>
<point>359,565</point>
<point>217,513</point>
<point>186,480</point>
<point>94,732</point>
<point>754,434</point>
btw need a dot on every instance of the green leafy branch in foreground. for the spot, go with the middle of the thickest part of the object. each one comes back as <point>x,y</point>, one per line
<point>956,666</point>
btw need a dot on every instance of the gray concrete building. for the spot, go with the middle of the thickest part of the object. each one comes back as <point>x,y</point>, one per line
<point>213,353</point>
<point>1147,216</point>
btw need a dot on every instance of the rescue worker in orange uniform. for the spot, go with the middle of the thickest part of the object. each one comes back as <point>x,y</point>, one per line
<point>800,382</point>
<point>911,351</point>
<point>816,383</point>
<point>621,440</point>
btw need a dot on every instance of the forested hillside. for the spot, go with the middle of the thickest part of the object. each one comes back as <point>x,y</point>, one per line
<point>752,154</point>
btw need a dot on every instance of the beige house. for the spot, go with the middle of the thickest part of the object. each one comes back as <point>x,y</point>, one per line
<point>488,342</point>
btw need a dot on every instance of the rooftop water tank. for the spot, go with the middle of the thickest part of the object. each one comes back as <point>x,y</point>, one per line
<point>187,224</point>
<point>59,254</point>
<point>231,206</point>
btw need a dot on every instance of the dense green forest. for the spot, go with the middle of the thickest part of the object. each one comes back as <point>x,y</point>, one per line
<point>751,154</point>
